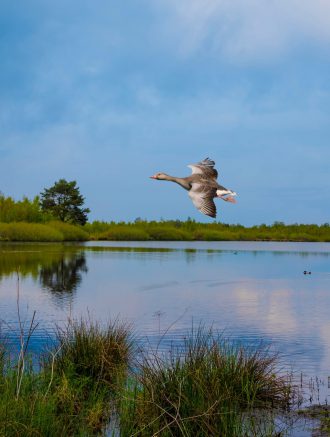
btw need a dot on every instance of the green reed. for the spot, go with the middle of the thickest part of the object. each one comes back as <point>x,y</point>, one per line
<point>73,392</point>
<point>92,378</point>
<point>208,387</point>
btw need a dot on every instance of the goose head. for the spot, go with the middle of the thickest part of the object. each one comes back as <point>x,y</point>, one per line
<point>160,176</point>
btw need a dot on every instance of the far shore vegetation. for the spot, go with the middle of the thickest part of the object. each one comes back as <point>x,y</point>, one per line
<point>60,216</point>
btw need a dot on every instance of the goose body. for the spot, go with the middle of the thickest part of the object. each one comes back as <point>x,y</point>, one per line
<point>202,186</point>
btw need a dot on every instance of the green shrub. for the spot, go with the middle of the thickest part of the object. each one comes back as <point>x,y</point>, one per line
<point>206,235</point>
<point>124,233</point>
<point>97,227</point>
<point>52,231</point>
<point>28,232</point>
<point>69,232</point>
<point>22,210</point>
<point>168,234</point>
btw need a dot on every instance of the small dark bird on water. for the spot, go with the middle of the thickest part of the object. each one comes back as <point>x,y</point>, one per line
<point>202,186</point>
<point>307,273</point>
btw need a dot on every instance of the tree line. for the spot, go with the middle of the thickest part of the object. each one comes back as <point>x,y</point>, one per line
<point>62,201</point>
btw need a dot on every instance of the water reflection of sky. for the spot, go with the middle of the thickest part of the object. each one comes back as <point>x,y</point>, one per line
<point>252,291</point>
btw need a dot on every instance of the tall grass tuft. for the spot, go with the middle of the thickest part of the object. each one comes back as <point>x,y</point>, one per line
<point>207,388</point>
<point>73,392</point>
<point>88,350</point>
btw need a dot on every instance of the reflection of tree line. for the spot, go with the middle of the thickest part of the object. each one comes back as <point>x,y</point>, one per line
<point>59,272</point>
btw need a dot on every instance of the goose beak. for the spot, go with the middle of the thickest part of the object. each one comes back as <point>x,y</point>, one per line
<point>152,177</point>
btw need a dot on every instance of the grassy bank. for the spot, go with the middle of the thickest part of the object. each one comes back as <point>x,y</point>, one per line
<point>74,391</point>
<point>173,230</point>
<point>90,380</point>
<point>53,231</point>
<point>190,230</point>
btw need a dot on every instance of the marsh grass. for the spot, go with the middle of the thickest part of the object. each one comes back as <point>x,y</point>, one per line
<point>174,230</point>
<point>50,232</point>
<point>28,232</point>
<point>170,230</point>
<point>123,233</point>
<point>69,232</point>
<point>73,392</point>
<point>85,349</point>
<point>167,233</point>
<point>208,387</point>
<point>92,378</point>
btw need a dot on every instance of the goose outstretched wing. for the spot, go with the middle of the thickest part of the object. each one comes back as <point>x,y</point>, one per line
<point>202,197</point>
<point>204,168</point>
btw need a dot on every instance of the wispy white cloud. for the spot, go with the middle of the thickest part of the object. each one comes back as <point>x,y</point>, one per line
<point>247,29</point>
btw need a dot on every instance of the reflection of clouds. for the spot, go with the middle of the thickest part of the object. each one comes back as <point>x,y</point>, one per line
<point>266,304</point>
<point>280,317</point>
<point>271,312</point>
<point>248,301</point>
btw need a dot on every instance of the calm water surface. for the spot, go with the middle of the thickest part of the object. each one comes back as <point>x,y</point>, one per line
<point>251,291</point>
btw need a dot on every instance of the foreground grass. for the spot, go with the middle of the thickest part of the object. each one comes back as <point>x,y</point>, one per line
<point>74,390</point>
<point>89,381</point>
<point>208,387</point>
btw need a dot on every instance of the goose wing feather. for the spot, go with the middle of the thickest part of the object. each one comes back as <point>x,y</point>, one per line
<point>202,198</point>
<point>205,168</point>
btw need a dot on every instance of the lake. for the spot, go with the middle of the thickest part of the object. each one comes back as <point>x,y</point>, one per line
<point>252,292</point>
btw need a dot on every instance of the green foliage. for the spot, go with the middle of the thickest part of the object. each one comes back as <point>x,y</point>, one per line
<point>164,233</point>
<point>123,233</point>
<point>69,232</point>
<point>28,232</point>
<point>50,232</point>
<point>161,231</point>
<point>64,202</point>
<point>24,210</point>
<point>191,230</point>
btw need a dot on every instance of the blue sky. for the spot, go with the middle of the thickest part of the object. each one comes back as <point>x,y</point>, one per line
<point>108,93</point>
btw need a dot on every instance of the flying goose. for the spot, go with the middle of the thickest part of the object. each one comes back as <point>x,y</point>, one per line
<point>202,186</point>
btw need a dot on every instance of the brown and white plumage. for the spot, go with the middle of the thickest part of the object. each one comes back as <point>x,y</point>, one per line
<point>202,186</point>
